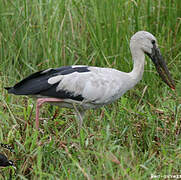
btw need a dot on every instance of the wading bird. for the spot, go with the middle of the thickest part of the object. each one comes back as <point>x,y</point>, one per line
<point>4,161</point>
<point>85,87</point>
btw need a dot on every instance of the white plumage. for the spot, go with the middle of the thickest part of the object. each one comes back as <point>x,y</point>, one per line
<point>98,86</point>
<point>84,87</point>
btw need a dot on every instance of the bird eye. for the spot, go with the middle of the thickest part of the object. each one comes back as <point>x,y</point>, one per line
<point>153,41</point>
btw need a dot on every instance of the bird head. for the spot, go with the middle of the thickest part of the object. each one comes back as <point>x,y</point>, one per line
<point>147,43</point>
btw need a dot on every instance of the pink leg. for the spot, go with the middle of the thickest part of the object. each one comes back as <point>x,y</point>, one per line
<point>39,103</point>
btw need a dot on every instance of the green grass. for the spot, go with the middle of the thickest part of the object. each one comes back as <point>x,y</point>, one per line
<point>134,138</point>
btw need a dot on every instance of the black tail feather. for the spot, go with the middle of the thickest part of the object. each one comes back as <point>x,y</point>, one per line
<point>9,89</point>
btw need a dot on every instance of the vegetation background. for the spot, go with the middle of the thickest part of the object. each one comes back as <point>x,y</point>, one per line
<point>136,137</point>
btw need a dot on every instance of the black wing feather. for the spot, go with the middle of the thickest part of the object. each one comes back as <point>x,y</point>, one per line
<point>4,161</point>
<point>37,83</point>
<point>51,92</point>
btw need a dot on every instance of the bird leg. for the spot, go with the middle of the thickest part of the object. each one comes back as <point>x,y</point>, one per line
<point>39,103</point>
<point>79,114</point>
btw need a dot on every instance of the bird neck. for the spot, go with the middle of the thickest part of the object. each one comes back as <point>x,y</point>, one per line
<point>138,67</point>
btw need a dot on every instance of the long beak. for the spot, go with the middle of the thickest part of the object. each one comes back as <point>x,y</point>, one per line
<point>161,67</point>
